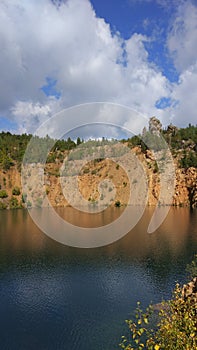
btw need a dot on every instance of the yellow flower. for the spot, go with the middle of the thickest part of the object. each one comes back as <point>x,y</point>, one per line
<point>157,347</point>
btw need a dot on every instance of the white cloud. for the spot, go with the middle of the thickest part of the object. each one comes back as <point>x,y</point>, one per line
<point>29,115</point>
<point>185,93</point>
<point>71,45</point>
<point>182,43</point>
<point>182,40</point>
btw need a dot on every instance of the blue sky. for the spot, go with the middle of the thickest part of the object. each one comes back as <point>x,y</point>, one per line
<point>138,53</point>
<point>149,18</point>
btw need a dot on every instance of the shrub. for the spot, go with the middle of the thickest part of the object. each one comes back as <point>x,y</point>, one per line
<point>24,197</point>
<point>29,204</point>
<point>3,194</point>
<point>175,330</point>
<point>47,191</point>
<point>14,204</point>
<point>189,159</point>
<point>16,191</point>
<point>101,197</point>
<point>3,205</point>
<point>176,324</point>
<point>39,202</point>
<point>117,203</point>
<point>94,171</point>
<point>86,170</point>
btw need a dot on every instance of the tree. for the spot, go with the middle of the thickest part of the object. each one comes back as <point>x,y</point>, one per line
<point>78,141</point>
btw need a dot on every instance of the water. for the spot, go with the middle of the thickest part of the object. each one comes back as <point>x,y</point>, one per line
<point>57,297</point>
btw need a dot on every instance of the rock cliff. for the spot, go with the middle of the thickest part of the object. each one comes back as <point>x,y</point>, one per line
<point>102,181</point>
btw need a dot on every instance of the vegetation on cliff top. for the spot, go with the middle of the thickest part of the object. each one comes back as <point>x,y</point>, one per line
<point>182,141</point>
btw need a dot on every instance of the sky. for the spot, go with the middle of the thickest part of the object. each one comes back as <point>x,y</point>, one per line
<point>57,54</point>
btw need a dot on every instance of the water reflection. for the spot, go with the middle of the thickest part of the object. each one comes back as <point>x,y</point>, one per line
<point>51,294</point>
<point>19,232</point>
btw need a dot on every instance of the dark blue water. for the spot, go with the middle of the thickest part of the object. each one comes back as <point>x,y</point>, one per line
<point>57,297</point>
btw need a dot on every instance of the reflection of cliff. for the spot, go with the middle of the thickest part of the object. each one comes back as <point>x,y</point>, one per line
<point>24,245</point>
<point>115,183</point>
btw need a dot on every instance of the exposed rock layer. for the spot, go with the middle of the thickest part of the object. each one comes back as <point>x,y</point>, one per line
<point>120,178</point>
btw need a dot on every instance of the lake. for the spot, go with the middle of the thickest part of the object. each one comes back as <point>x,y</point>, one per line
<point>58,297</point>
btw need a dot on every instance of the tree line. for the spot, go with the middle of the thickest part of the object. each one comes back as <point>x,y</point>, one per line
<point>179,140</point>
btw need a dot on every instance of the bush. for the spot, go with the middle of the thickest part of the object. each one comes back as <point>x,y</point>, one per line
<point>39,202</point>
<point>3,205</point>
<point>24,197</point>
<point>3,194</point>
<point>117,204</point>
<point>16,191</point>
<point>189,159</point>
<point>176,325</point>
<point>29,204</point>
<point>47,191</point>
<point>175,330</point>
<point>14,204</point>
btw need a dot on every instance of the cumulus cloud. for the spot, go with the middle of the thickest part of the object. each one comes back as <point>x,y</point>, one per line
<point>30,115</point>
<point>70,45</point>
<point>182,39</point>
<point>182,43</point>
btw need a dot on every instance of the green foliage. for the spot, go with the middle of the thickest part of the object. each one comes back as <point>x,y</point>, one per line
<point>155,167</point>
<point>47,191</point>
<point>24,197</point>
<point>173,328</point>
<point>3,205</point>
<point>117,203</point>
<point>134,141</point>
<point>182,138</point>
<point>39,202</point>
<point>101,197</point>
<point>86,170</point>
<point>94,171</point>
<point>189,159</point>
<point>14,204</point>
<point>16,191</point>
<point>3,194</point>
<point>51,158</point>
<point>7,162</point>
<point>78,141</point>
<point>29,204</point>
<point>13,147</point>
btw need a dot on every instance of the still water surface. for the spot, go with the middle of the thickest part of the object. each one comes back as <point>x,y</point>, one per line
<point>57,297</point>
